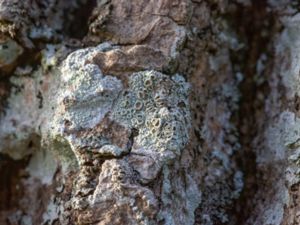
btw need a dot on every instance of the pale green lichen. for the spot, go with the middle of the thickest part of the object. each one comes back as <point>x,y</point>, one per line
<point>52,55</point>
<point>62,150</point>
<point>9,52</point>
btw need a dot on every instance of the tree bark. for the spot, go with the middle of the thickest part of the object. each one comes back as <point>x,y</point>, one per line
<point>164,112</point>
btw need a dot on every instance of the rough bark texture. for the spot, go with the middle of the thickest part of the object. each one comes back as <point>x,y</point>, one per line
<point>153,112</point>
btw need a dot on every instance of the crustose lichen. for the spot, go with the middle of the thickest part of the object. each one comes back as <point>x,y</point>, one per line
<point>157,106</point>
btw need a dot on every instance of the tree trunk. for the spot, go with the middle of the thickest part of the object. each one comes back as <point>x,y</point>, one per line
<point>166,112</point>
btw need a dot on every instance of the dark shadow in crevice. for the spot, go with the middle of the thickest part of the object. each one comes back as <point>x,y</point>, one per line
<point>5,88</point>
<point>250,24</point>
<point>12,171</point>
<point>78,27</point>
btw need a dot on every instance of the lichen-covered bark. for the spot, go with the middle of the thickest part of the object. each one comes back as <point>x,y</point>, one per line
<point>149,112</point>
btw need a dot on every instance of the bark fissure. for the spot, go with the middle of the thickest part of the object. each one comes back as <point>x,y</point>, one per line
<point>149,112</point>
<point>255,27</point>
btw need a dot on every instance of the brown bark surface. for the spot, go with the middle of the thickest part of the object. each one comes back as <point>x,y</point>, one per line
<point>153,112</point>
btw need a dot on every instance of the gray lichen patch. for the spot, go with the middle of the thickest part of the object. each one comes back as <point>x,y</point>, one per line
<point>154,104</point>
<point>118,135</point>
<point>85,94</point>
<point>84,97</point>
<point>289,47</point>
<point>157,106</point>
<point>91,97</point>
<point>287,145</point>
<point>281,148</point>
<point>179,197</point>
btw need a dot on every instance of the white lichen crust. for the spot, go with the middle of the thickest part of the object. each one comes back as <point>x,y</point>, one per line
<point>157,106</point>
<point>86,95</point>
<point>121,137</point>
<point>154,104</point>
